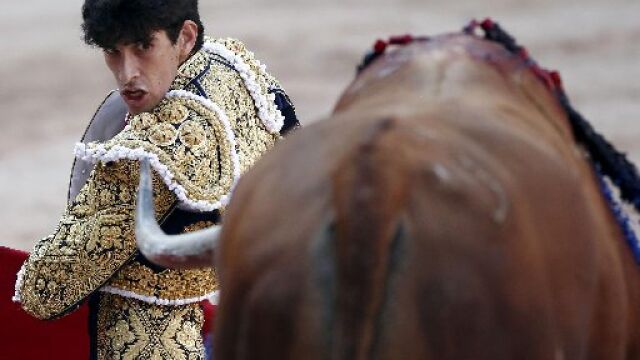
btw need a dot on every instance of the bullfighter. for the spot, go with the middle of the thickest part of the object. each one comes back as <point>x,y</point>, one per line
<point>202,111</point>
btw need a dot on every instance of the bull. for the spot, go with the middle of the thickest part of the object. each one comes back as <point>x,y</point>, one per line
<point>451,208</point>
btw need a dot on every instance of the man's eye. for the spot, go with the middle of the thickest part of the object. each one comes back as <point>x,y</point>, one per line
<point>111,51</point>
<point>143,46</point>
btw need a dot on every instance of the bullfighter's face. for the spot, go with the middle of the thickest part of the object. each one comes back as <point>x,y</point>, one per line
<point>144,71</point>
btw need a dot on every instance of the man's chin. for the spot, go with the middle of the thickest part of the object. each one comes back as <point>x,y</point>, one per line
<point>135,109</point>
<point>134,112</point>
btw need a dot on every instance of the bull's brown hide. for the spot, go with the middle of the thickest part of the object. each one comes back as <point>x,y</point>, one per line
<point>443,212</point>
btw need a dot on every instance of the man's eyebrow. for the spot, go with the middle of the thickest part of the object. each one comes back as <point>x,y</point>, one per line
<point>141,41</point>
<point>149,39</point>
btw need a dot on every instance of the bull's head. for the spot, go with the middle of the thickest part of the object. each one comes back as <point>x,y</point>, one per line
<point>184,251</point>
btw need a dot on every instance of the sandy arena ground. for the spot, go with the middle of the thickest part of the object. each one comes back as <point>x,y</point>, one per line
<point>51,82</point>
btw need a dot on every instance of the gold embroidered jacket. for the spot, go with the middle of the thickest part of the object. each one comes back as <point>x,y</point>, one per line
<point>220,115</point>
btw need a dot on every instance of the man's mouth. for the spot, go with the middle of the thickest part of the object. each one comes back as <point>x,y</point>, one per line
<point>133,97</point>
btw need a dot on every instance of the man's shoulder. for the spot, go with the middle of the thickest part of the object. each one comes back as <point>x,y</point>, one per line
<point>188,143</point>
<point>244,61</point>
<point>236,52</point>
<point>232,44</point>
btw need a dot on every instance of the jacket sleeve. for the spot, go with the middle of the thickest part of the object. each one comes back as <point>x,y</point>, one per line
<point>94,238</point>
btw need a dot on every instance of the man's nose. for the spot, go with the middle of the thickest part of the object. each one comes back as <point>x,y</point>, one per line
<point>130,68</point>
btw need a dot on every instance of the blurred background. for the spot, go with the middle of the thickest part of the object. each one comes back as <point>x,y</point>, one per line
<point>52,83</point>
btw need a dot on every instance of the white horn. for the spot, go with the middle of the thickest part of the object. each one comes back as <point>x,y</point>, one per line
<point>184,251</point>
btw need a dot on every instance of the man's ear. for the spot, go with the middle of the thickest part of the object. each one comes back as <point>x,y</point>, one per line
<point>187,39</point>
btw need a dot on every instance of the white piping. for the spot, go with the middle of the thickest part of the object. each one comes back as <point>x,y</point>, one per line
<point>17,297</point>
<point>118,152</point>
<point>99,153</point>
<point>156,300</point>
<point>224,119</point>
<point>270,115</point>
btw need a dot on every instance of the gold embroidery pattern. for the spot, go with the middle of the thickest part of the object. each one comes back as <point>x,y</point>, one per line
<point>197,151</point>
<point>198,226</point>
<point>190,69</point>
<point>225,87</point>
<point>94,239</point>
<point>167,284</point>
<point>130,329</point>
<point>252,138</point>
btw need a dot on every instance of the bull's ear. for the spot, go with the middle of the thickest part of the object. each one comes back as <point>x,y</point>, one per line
<point>184,251</point>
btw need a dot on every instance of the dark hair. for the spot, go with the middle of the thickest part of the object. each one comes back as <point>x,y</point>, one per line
<point>110,22</point>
